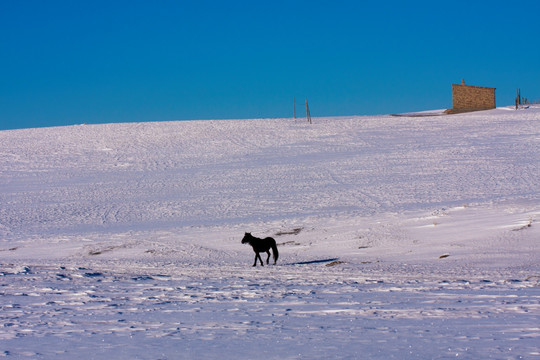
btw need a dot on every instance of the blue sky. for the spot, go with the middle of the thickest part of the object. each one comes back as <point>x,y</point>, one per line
<point>72,62</point>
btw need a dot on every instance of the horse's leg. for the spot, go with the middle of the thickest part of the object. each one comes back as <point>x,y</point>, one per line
<point>257,255</point>
<point>268,258</point>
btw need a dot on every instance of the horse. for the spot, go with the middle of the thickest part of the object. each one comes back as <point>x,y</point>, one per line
<point>261,245</point>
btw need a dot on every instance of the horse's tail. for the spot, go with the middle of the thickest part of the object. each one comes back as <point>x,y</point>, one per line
<point>275,252</point>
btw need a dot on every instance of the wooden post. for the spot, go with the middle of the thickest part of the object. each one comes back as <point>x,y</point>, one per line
<point>308,116</point>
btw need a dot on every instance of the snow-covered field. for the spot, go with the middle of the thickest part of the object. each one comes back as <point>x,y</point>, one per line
<point>399,237</point>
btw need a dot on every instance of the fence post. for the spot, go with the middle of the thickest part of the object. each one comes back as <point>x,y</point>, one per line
<point>308,115</point>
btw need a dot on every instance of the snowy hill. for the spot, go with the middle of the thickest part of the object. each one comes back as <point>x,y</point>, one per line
<point>128,236</point>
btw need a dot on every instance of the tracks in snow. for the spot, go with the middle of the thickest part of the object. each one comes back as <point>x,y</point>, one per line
<point>108,303</point>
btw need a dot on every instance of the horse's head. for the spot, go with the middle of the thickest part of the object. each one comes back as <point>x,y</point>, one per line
<point>246,238</point>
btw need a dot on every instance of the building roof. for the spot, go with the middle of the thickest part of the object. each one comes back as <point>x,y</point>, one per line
<point>479,87</point>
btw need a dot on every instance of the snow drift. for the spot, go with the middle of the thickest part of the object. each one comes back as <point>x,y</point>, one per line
<point>400,237</point>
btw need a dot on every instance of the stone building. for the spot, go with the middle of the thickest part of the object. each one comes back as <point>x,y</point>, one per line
<point>471,98</point>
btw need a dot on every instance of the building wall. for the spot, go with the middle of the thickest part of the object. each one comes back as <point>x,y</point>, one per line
<point>467,97</point>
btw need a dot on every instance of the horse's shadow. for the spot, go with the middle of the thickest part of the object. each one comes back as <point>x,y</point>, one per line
<point>321,261</point>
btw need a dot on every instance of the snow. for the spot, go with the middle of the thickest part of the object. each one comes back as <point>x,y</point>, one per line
<point>399,237</point>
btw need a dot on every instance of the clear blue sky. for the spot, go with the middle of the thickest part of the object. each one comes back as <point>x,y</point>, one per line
<point>72,62</point>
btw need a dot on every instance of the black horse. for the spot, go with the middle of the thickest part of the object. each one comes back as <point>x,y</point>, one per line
<point>261,245</point>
